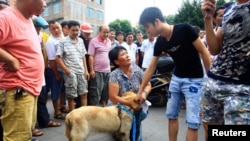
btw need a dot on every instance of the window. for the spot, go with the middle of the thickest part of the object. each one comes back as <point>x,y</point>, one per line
<point>99,15</point>
<point>46,11</point>
<point>90,13</point>
<point>57,7</point>
<point>97,29</point>
<point>75,14</point>
<point>93,27</point>
<point>99,2</point>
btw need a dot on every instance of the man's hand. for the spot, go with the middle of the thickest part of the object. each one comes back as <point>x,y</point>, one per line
<point>58,77</point>
<point>137,108</point>
<point>208,8</point>
<point>141,97</point>
<point>13,66</point>
<point>92,74</point>
<point>87,75</point>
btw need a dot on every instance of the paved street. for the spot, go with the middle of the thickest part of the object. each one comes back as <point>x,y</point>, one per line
<point>154,128</point>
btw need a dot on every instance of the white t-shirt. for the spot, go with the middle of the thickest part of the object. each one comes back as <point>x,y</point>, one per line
<point>132,50</point>
<point>51,48</point>
<point>148,49</point>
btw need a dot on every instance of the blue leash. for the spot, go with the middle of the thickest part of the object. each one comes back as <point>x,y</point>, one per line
<point>124,108</point>
<point>134,129</point>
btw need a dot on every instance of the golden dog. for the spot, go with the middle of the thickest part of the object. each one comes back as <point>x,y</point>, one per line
<point>81,122</point>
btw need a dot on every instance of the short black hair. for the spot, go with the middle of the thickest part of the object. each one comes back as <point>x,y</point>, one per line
<point>113,54</point>
<point>216,11</point>
<point>197,29</point>
<point>73,23</point>
<point>119,32</point>
<point>129,33</point>
<point>64,23</point>
<point>149,15</point>
<point>52,22</point>
<point>112,29</point>
<point>138,31</point>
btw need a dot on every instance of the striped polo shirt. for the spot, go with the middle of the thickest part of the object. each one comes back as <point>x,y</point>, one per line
<point>72,54</point>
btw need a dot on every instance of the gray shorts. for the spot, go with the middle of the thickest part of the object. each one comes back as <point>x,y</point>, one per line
<point>75,84</point>
<point>98,88</point>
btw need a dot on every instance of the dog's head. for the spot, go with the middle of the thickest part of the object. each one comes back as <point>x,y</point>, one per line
<point>130,96</point>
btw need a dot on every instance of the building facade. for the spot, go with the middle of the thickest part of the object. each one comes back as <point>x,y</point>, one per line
<point>90,11</point>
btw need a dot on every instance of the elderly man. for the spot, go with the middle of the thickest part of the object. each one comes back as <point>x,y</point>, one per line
<point>21,70</point>
<point>99,66</point>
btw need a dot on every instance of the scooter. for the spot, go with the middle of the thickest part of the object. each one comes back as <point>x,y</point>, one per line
<point>160,81</point>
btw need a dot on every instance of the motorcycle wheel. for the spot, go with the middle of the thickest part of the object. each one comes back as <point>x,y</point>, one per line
<point>159,99</point>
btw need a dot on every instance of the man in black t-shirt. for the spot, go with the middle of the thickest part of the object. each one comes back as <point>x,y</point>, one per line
<point>183,44</point>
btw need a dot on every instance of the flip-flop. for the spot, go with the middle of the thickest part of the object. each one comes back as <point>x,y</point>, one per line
<point>53,124</point>
<point>59,116</point>
<point>64,109</point>
<point>37,132</point>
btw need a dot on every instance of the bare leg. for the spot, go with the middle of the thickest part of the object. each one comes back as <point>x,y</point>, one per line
<point>205,125</point>
<point>192,134</point>
<point>71,104</point>
<point>104,103</point>
<point>62,101</point>
<point>56,106</point>
<point>173,127</point>
<point>84,100</point>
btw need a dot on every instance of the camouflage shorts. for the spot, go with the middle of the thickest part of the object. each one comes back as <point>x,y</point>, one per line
<point>224,102</point>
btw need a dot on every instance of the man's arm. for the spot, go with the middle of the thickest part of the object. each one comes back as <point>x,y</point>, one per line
<point>91,66</point>
<point>10,62</point>
<point>214,40</point>
<point>62,65</point>
<point>203,51</point>
<point>44,55</point>
<point>51,54</point>
<point>85,68</point>
<point>141,95</point>
<point>53,66</point>
<point>137,58</point>
<point>142,50</point>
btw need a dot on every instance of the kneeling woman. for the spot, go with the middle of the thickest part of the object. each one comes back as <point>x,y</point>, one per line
<point>125,77</point>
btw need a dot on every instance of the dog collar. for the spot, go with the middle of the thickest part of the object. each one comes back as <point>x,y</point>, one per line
<point>124,108</point>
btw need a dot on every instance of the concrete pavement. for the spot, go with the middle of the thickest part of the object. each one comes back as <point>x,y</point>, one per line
<point>154,128</point>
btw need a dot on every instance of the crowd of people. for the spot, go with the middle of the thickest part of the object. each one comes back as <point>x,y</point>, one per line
<point>212,70</point>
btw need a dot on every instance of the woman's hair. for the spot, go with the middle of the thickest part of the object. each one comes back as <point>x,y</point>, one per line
<point>113,54</point>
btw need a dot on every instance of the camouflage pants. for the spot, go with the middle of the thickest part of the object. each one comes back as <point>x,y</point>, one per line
<point>225,102</point>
